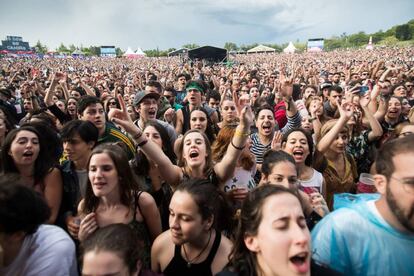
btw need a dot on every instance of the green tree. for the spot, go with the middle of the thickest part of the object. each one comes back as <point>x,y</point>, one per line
<point>190,46</point>
<point>62,48</point>
<point>403,32</point>
<point>389,41</point>
<point>40,48</point>
<point>230,46</point>
<point>378,36</point>
<point>119,52</point>
<point>94,50</point>
<point>358,39</point>
<point>72,48</point>
<point>332,44</point>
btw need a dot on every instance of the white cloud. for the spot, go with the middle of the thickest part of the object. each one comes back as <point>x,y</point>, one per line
<point>168,23</point>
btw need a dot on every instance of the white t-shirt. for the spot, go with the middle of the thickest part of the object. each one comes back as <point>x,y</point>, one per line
<point>49,251</point>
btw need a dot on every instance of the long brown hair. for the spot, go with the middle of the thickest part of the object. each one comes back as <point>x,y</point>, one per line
<point>126,179</point>
<point>219,147</point>
<point>181,161</point>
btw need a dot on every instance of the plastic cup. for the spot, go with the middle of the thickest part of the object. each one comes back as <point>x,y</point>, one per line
<point>366,184</point>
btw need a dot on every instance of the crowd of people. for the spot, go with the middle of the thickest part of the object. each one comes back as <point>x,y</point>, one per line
<point>155,166</point>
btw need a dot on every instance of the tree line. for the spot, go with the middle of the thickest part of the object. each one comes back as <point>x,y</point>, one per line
<point>392,36</point>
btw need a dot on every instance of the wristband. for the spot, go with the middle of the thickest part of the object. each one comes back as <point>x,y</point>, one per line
<point>237,148</point>
<point>241,134</point>
<point>142,143</point>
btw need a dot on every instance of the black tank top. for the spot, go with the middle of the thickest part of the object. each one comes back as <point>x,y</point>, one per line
<point>178,266</point>
<point>186,118</point>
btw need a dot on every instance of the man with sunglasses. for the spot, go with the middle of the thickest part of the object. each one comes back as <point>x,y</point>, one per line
<point>374,237</point>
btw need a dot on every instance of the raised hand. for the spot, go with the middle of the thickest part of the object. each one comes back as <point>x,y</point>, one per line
<point>277,141</point>
<point>286,85</point>
<point>364,100</point>
<point>122,118</point>
<point>346,110</point>
<point>246,116</point>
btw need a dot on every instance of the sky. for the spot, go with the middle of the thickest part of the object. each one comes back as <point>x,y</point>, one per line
<point>164,24</point>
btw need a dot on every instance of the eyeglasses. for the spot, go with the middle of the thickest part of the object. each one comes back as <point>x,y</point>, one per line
<point>408,183</point>
<point>168,96</point>
<point>112,103</point>
<point>409,85</point>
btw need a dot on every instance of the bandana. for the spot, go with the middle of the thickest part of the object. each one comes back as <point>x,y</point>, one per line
<point>194,85</point>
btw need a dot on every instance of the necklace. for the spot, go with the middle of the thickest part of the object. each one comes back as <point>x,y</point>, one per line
<point>190,262</point>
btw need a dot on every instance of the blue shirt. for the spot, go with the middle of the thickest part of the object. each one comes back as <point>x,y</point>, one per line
<point>358,241</point>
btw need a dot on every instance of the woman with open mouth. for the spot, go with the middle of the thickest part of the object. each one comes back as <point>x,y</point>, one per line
<point>194,152</point>
<point>24,152</point>
<point>298,143</point>
<point>273,238</point>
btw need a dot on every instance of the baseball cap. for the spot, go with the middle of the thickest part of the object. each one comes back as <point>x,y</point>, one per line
<point>326,85</point>
<point>144,94</point>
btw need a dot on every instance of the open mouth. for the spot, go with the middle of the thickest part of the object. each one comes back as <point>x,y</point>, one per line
<point>28,154</point>
<point>194,154</point>
<point>298,153</point>
<point>267,128</point>
<point>151,113</point>
<point>300,263</point>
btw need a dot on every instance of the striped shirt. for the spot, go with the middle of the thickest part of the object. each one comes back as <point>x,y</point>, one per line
<point>258,149</point>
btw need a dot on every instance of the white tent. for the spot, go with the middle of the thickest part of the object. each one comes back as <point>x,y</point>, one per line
<point>140,52</point>
<point>370,46</point>
<point>129,53</point>
<point>290,49</point>
<point>261,49</point>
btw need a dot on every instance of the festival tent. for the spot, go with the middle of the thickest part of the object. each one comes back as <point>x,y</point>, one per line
<point>290,49</point>
<point>140,53</point>
<point>178,52</point>
<point>78,53</point>
<point>370,46</point>
<point>208,53</point>
<point>261,49</point>
<point>129,53</point>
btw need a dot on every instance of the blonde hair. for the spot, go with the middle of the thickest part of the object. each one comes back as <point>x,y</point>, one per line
<point>326,127</point>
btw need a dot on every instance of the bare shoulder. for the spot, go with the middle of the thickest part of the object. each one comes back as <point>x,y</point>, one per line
<point>162,250</point>
<point>146,200</point>
<point>222,256</point>
<point>53,174</point>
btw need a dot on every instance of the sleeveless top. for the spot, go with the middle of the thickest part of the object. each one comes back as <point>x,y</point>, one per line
<point>186,118</point>
<point>141,230</point>
<point>178,266</point>
<point>315,181</point>
<point>211,176</point>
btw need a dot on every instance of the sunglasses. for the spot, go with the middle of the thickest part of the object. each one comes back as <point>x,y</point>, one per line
<point>112,103</point>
